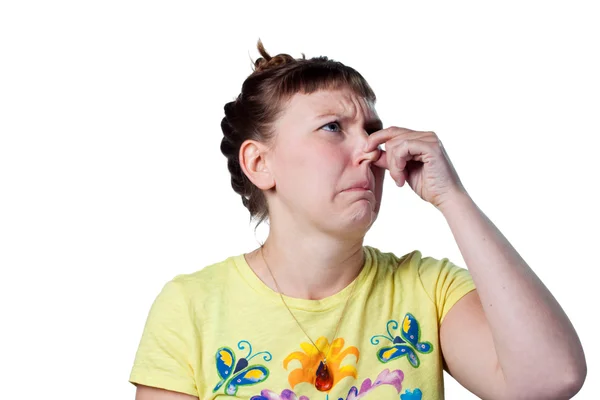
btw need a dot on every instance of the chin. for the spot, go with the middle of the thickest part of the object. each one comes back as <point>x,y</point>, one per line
<point>360,217</point>
<point>353,219</point>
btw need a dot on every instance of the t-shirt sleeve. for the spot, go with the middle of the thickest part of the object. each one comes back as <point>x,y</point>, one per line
<point>164,356</point>
<point>444,282</point>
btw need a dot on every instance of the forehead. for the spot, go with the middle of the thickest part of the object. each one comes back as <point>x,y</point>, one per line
<point>343,103</point>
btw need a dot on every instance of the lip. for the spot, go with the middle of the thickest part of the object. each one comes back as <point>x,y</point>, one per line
<point>360,186</point>
<point>357,189</point>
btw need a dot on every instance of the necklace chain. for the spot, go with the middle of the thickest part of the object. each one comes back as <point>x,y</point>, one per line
<point>296,319</point>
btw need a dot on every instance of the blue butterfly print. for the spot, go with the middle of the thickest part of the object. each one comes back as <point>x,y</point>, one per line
<point>405,345</point>
<point>412,395</point>
<point>242,374</point>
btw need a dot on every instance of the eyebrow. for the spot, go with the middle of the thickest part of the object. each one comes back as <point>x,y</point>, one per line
<point>374,124</point>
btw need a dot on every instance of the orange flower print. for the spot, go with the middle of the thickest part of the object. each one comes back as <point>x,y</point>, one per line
<point>310,358</point>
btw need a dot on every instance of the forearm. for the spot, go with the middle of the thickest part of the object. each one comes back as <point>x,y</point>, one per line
<point>534,340</point>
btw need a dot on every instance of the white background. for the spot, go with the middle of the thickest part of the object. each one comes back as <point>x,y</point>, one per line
<point>112,181</point>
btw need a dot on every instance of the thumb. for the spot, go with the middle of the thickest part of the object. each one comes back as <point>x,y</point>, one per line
<point>382,162</point>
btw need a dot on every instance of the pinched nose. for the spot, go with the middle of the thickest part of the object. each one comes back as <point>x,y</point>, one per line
<point>371,156</point>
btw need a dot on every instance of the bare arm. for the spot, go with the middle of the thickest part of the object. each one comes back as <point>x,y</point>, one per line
<point>510,338</point>
<point>152,393</point>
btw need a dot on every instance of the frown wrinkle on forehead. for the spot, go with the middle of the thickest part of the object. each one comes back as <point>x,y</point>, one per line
<point>345,105</point>
<point>310,110</point>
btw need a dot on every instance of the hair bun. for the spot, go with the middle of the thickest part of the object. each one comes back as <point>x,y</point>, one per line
<point>267,62</point>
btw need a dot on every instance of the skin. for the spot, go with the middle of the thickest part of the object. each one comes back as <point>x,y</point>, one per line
<point>317,229</point>
<point>304,174</point>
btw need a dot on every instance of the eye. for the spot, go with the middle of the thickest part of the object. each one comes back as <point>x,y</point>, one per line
<point>333,124</point>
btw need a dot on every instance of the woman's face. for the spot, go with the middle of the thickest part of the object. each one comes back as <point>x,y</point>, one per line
<point>318,157</point>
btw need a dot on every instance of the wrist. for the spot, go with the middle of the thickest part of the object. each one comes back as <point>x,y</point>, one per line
<point>455,200</point>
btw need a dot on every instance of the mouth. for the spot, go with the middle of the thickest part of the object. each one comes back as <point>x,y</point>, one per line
<point>363,186</point>
<point>357,189</point>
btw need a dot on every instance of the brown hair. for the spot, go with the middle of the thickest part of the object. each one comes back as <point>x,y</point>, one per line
<point>273,81</point>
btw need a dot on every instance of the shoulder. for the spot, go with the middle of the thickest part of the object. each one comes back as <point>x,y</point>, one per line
<point>394,263</point>
<point>413,261</point>
<point>436,281</point>
<point>207,280</point>
<point>414,268</point>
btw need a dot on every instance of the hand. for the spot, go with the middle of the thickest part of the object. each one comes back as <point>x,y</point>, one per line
<point>419,159</point>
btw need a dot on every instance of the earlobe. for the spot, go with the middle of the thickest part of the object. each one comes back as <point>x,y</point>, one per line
<point>254,164</point>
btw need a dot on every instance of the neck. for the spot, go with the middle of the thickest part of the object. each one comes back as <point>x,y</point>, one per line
<point>308,266</point>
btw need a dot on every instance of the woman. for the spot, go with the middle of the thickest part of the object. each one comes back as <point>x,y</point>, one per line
<point>315,314</point>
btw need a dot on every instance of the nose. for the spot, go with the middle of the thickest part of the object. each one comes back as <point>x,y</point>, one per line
<point>363,155</point>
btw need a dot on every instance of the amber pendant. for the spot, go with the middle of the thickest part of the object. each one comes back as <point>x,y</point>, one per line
<point>324,381</point>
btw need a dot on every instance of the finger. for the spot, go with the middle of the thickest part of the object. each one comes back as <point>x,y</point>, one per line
<point>399,156</point>
<point>383,135</point>
<point>382,161</point>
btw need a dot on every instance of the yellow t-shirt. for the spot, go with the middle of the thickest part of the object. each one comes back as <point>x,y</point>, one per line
<point>221,332</point>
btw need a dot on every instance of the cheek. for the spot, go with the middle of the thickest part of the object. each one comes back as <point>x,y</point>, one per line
<point>327,165</point>
<point>329,154</point>
<point>316,161</point>
<point>309,171</point>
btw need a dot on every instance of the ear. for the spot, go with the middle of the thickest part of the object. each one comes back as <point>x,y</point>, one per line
<point>253,163</point>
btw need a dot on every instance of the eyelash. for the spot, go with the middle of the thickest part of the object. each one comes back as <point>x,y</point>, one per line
<point>340,127</point>
<point>333,122</point>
